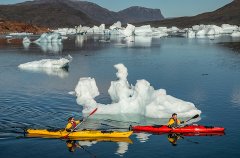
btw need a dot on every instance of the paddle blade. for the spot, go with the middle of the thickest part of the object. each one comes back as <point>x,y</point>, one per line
<point>93,111</point>
<point>65,137</point>
<point>196,116</point>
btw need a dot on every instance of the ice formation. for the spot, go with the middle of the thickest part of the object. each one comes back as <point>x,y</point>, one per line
<point>128,31</point>
<point>196,31</point>
<point>116,26</point>
<point>140,99</point>
<point>143,30</point>
<point>46,63</point>
<point>49,38</point>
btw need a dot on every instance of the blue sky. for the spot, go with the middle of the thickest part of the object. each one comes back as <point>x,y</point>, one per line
<point>169,8</point>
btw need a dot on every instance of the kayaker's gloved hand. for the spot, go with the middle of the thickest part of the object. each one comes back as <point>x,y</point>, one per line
<point>182,122</point>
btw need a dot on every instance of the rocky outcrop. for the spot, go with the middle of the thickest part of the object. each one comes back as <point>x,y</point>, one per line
<point>13,26</point>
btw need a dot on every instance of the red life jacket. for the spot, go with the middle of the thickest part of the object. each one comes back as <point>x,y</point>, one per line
<point>74,124</point>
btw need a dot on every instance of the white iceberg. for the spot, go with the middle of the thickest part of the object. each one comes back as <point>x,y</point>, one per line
<point>116,26</point>
<point>26,40</point>
<point>236,34</point>
<point>49,38</point>
<point>144,30</point>
<point>46,63</point>
<point>228,29</point>
<point>140,99</point>
<point>128,31</point>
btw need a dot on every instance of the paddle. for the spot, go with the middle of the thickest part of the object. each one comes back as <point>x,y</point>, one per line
<point>66,136</point>
<point>196,116</point>
<point>88,151</point>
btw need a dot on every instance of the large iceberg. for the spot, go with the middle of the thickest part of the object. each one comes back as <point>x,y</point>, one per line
<point>140,99</point>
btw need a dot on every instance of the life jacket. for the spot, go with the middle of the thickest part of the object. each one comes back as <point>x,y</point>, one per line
<point>74,124</point>
<point>173,123</point>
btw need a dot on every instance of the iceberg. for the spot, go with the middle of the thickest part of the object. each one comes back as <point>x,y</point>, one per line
<point>144,30</point>
<point>49,38</point>
<point>236,34</point>
<point>128,31</point>
<point>46,63</point>
<point>140,99</point>
<point>116,26</point>
<point>61,73</point>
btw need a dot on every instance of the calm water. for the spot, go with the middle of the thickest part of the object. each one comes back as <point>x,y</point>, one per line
<point>195,70</point>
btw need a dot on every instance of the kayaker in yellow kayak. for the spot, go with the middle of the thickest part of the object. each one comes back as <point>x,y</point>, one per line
<point>174,122</point>
<point>71,124</point>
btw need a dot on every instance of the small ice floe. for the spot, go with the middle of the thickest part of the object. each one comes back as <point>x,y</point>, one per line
<point>49,38</point>
<point>144,30</point>
<point>128,31</point>
<point>236,34</point>
<point>26,40</point>
<point>20,34</point>
<point>47,63</point>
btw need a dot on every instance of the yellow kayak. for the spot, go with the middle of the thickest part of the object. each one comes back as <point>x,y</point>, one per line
<point>79,134</point>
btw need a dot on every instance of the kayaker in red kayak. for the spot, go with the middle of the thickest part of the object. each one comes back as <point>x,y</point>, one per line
<point>71,124</point>
<point>174,122</point>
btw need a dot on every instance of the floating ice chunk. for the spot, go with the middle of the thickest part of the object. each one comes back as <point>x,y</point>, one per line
<point>20,33</point>
<point>116,26</point>
<point>236,34</point>
<point>173,29</point>
<point>201,33</point>
<point>46,63</point>
<point>49,38</point>
<point>228,29</point>
<point>140,99</point>
<point>159,32</point>
<point>128,31</point>
<point>61,73</point>
<point>191,34</point>
<point>143,30</point>
<point>26,40</point>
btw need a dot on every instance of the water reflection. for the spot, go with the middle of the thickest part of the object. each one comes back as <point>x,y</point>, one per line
<point>235,98</point>
<point>55,48</point>
<point>122,148</point>
<point>79,40</point>
<point>26,45</point>
<point>61,73</point>
<point>143,137</point>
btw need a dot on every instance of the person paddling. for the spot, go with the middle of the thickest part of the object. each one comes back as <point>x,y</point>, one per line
<point>174,122</point>
<point>71,124</point>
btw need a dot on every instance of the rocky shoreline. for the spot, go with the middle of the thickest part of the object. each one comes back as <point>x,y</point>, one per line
<point>7,27</point>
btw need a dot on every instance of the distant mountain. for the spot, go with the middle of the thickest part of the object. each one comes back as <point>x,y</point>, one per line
<point>66,13</point>
<point>50,13</point>
<point>96,12</point>
<point>140,14</point>
<point>229,14</point>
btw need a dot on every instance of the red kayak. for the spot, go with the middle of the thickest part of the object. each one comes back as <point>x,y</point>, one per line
<point>185,129</point>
